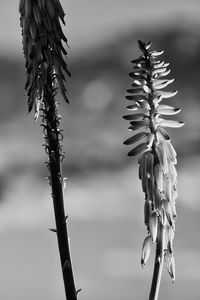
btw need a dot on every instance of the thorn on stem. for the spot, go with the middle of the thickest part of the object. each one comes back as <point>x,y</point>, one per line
<point>78,291</point>
<point>65,219</point>
<point>53,230</point>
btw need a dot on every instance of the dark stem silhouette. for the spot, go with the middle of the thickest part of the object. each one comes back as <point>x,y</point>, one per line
<point>158,265</point>
<point>46,69</point>
<point>54,149</point>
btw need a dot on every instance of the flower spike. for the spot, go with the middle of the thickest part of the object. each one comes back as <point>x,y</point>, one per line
<point>46,68</point>
<point>44,53</point>
<point>157,159</point>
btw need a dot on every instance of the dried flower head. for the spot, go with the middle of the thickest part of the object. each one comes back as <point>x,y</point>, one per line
<point>43,48</point>
<point>157,156</point>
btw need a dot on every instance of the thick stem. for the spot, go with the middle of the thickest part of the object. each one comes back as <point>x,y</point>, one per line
<point>54,151</point>
<point>158,266</point>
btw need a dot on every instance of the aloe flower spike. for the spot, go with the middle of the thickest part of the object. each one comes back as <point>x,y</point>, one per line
<point>157,158</point>
<point>46,70</point>
<point>43,48</point>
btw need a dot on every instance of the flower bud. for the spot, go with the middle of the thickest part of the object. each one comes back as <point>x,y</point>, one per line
<point>153,226</point>
<point>146,249</point>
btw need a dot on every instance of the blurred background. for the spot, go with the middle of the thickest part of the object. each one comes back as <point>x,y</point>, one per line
<point>103,198</point>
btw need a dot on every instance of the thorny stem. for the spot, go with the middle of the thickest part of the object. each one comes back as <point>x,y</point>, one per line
<point>45,55</point>
<point>56,180</point>
<point>158,265</point>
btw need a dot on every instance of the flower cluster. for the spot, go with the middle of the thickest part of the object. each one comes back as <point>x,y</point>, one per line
<point>43,48</point>
<point>157,156</point>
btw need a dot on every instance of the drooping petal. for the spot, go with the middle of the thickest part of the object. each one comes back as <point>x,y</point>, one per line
<point>167,110</point>
<point>136,97</point>
<point>171,123</point>
<point>134,117</point>
<point>153,226</point>
<point>138,149</point>
<point>148,45</point>
<point>140,59</point>
<point>158,175</point>
<point>170,151</point>
<point>170,262</point>
<point>158,65</point>
<point>133,107</point>
<point>165,95</point>
<point>156,53</point>
<point>162,157</point>
<point>138,124</point>
<point>146,249</point>
<point>162,133</point>
<point>158,71</point>
<point>164,73</point>
<point>135,138</point>
<point>168,212</point>
<point>147,211</point>
<point>137,76</point>
<point>135,90</point>
<point>163,85</point>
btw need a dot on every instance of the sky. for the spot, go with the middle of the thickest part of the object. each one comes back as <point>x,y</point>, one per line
<point>93,21</point>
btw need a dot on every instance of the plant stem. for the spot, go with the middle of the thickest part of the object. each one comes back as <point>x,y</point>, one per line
<point>54,150</point>
<point>158,265</point>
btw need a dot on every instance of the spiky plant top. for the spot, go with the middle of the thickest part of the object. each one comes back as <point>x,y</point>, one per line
<point>43,48</point>
<point>157,158</point>
<point>46,68</point>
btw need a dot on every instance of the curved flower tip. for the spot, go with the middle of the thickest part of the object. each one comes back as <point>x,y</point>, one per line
<point>64,183</point>
<point>146,249</point>
<point>170,262</point>
<point>43,48</point>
